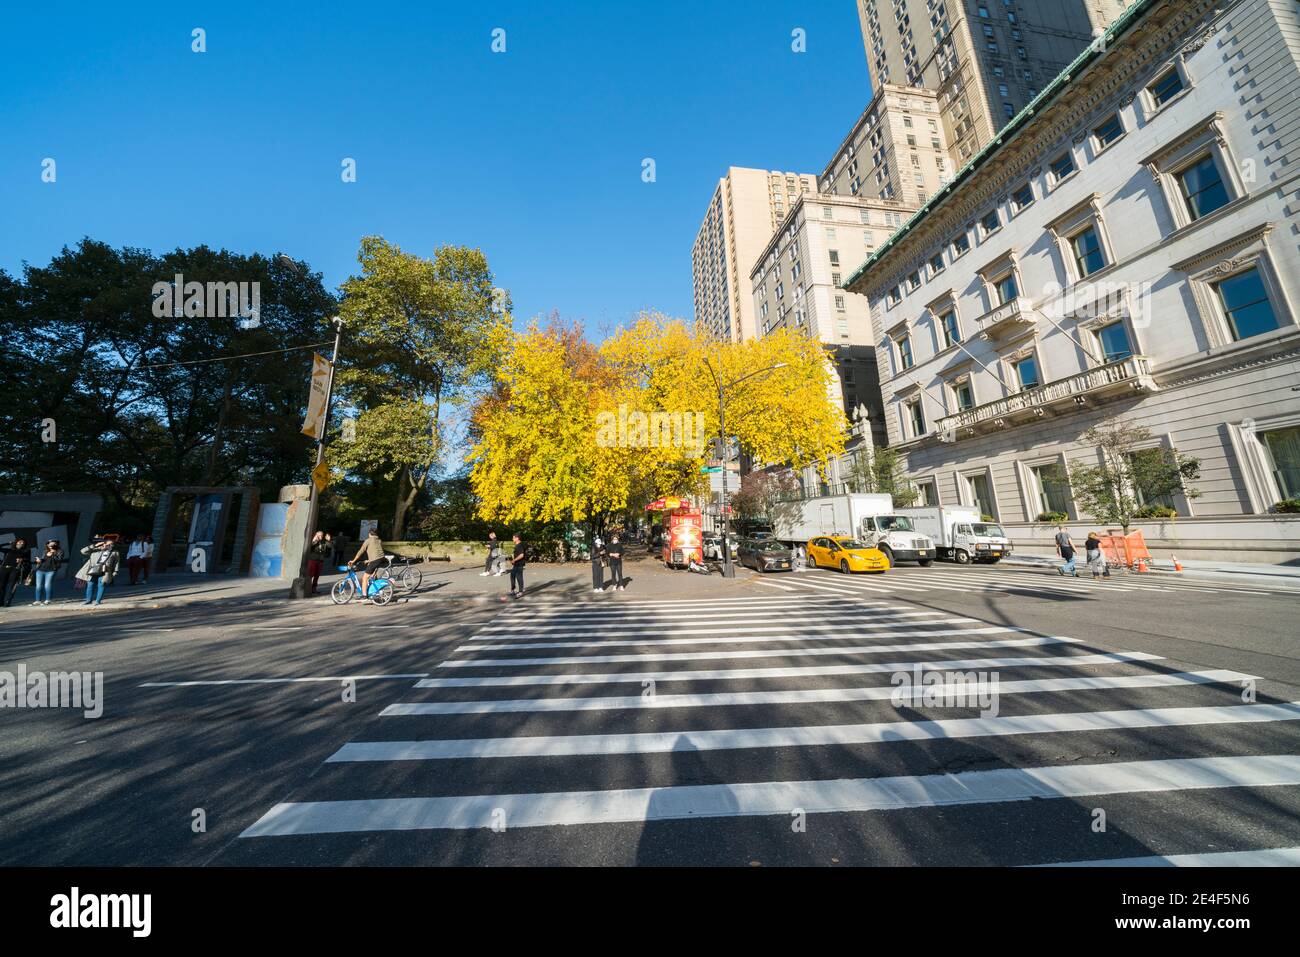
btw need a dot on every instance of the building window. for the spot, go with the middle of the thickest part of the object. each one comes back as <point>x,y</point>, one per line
<point>1167,86</point>
<point>981,496</point>
<point>1137,462</point>
<point>1051,488</point>
<point>936,264</point>
<point>960,245</point>
<point>926,494</point>
<point>916,418</point>
<point>914,281</point>
<point>895,296</point>
<point>904,352</point>
<point>839,303</point>
<point>1089,257</point>
<point>991,223</point>
<point>1006,288</point>
<point>1202,187</point>
<point>1023,197</point>
<point>1026,370</point>
<point>964,395</point>
<point>1108,132</point>
<point>1114,342</point>
<point>948,323</point>
<point>835,257</point>
<point>1283,446</point>
<point>1246,305</point>
<point>1062,167</point>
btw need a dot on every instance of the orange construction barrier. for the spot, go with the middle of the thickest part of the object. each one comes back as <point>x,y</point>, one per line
<point>1126,550</point>
<point>1178,566</point>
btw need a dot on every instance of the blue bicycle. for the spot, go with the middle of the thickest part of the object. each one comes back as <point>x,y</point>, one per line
<point>345,589</point>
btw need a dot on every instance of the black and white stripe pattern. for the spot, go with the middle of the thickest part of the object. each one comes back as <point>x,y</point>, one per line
<point>732,717</point>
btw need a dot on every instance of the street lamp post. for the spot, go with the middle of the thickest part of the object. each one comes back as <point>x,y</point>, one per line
<point>299,587</point>
<point>728,569</point>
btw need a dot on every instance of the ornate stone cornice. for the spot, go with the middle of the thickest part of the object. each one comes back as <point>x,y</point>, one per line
<point>1253,361</point>
<point>1223,251</point>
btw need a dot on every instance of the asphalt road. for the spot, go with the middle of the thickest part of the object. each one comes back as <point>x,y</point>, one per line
<point>1122,698</point>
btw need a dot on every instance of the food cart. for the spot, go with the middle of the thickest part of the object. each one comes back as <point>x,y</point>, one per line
<point>683,531</point>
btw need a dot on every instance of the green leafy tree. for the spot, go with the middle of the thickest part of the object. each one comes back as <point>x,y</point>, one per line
<point>1129,472</point>
<point>420,338</point>
<point>136,400</point>
<point>881,471</point>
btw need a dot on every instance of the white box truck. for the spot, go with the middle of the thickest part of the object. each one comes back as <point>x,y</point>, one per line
<point>960,534</point>
<point>869,518</point>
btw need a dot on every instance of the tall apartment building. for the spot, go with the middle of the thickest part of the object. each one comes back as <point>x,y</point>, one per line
<point>746,209</point>
<point>986,59</point>
<point>797,286</point>
<point>897,150</point>
<point>1126,252</point>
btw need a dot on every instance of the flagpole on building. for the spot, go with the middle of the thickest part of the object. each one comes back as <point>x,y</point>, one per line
<point>300,584</point>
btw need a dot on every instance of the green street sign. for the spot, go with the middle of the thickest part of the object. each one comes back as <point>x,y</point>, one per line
<point>708,469</point>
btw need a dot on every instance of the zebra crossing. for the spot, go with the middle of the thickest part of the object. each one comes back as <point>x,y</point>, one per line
<point>715,730</point>
<point>941,578</point>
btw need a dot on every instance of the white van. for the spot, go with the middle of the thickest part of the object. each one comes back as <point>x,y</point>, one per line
<point>960,533</point>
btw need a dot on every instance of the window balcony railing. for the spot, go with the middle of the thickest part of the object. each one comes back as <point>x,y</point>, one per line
<point>1015,315</point>
<point>1110,381</point>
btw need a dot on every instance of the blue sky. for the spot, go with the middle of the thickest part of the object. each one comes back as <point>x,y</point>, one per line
<point>533,154</point>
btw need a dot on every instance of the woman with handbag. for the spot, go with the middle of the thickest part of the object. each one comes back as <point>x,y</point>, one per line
<point>47,563</point>
<point>100,568</point>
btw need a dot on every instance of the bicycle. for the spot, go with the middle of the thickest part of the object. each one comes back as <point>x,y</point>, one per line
<point>406,577</point>
<point>381,590</point>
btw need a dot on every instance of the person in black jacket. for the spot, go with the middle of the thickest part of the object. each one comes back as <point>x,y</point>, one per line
<point>597,564</point>
<point>47,563</point>
<point>518,559</point>
<point>615,552</point>
<point>13,569</point>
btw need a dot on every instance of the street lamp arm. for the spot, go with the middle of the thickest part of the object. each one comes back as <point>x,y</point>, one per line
<point>735,382</point>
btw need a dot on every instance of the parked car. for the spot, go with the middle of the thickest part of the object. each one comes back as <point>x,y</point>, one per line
<point>764,555</point>
<point>845,554</point>
<point>713,547</point>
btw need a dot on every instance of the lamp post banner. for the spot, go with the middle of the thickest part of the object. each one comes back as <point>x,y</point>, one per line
<point>314,424</point>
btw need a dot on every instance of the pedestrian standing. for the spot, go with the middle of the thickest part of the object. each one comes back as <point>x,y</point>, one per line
<point>47,563</point>
<point>14,566</point>
<point>615,552</point>
<point>597,564</point>
<point>148,558</point>
<point>1065,548</point>
<point>135,559</point>
<point>1096,559</point>
<point>100,568</point>
<point>317,554</point>
<point>518,559</point>
<point>493,555</point>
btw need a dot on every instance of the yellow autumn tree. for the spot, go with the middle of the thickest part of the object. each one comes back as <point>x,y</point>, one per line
<point>540,451</point>
<point>777,389</point>
<point>573,432</point>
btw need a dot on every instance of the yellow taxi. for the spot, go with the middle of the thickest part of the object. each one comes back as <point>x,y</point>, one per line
<point>845,554</point>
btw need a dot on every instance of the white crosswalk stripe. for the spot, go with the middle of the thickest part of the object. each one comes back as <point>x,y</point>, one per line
<point>829,696</point>
<point>777,797</point>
